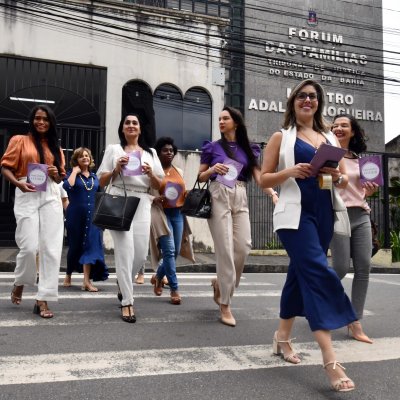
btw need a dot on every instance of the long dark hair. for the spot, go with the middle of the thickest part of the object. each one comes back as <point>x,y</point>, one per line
<point>319,123</point>
<point>242,140</point>
<point>51,135</point>
<point>141,139</point>
<point>357,142</point>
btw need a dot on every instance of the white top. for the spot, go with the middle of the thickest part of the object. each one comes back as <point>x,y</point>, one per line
<point>288,209</point>
<point>354,194</point>
<point>115,151</point>
<point>63,193</point>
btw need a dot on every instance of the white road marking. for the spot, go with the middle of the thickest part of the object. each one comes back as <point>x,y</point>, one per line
<point>125,364</point>
<point>388,279</point>
<point>193,294</point>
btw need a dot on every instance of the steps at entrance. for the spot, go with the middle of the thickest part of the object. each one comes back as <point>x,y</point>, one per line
<point>7,225</point>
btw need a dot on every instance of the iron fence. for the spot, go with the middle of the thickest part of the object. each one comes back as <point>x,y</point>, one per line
<point>261,207</point>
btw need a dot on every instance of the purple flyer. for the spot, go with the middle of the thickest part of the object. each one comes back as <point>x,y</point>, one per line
<point>134,166</point>
<point>172,192</point>
<point>230,178</point>
<point>326,153</point>
<point>371,169</point>
<point>37,175</point>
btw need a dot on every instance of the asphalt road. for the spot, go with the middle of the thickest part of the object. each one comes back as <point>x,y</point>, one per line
<point>182,352</point>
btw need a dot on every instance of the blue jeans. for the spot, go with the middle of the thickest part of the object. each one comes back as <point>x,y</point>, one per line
<point>170,247</point>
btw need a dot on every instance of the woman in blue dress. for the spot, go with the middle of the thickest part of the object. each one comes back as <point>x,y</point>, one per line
<point>85,241</point>
<point>305,217</point>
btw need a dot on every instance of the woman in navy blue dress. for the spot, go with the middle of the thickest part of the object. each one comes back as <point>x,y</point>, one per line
<point>305,217</point>
<point>85,252</point>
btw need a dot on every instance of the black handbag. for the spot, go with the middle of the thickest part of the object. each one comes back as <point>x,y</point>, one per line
<point>198,201</point>
<point>114,212</point>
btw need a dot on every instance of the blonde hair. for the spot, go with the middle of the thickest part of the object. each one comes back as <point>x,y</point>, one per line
<point>319,123</point>
<point>78,153</point>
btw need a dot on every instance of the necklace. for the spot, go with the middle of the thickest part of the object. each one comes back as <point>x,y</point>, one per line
<point>233,147</point>
<point>84,183</point>
<point>168,173</point>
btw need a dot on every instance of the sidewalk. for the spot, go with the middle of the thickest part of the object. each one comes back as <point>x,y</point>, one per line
<point>205,262</point>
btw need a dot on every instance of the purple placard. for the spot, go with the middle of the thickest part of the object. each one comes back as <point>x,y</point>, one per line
<point>326,152</point>
<point>230,178</point>
<point>37,175</point>
<point>371,169</point>
<point>172,192</point>
<point>134,166</point>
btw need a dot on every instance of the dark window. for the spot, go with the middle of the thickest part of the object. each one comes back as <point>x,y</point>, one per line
<point>197,118</point>
<point>168,108</point>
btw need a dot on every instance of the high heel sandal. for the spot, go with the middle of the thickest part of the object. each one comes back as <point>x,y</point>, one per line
<point>89,288</point>
<point>217,294</point>
<point>131,318</point>
<point>337,385</point>
<point>16,294</point>
<point>42,309</point>
<point>67,281</point>
<point>292,357</point>
<point>360,335</point>
<point>158,285</point>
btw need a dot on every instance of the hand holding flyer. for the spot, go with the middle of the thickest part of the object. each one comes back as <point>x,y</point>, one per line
<point>326,156</point>
<point>371,169</point>
<point>134,166</point>
<point>230,178</point>
<point>172,192</point>
<point>37,175</point>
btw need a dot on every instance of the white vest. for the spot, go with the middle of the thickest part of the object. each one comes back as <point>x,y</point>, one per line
<point>288,209</point>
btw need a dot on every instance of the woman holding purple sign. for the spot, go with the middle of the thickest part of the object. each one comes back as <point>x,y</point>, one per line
<point>142,170</point>
<point>34,163</point>
<point>305,218</point>
<point>230,162</point>
<point>358,246</point>
<point>167,225</point>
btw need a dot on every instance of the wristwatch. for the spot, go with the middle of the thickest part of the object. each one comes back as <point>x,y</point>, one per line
<point>339,180</point>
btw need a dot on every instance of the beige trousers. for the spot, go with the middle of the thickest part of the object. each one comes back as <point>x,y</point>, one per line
<point>230,229</point>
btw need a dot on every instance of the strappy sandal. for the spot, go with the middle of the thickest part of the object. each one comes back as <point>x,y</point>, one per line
<point>158,285</point>
<point>42,309</point>
<point>337,385</point>
<point>292,357</point>
<point>89,288</point>
<point>217,294</point>
<point>67,281</point>
<point>16,294</point>
<point>175,298</point>
<point>131,318</point>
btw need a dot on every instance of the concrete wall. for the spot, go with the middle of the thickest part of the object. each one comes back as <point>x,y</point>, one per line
<point>132,42</point>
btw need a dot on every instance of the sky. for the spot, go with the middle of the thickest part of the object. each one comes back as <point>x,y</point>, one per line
<point>391,42</point>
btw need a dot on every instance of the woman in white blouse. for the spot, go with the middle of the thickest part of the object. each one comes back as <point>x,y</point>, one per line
<point>131,247</point>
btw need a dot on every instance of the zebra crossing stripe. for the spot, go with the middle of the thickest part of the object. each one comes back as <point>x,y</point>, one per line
<point>124,364</point>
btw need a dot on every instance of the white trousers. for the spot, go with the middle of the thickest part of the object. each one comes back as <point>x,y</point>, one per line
<point>131,247</point>
<point>40,228</point>
<point>230,229</point>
